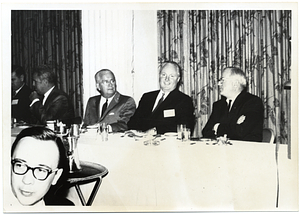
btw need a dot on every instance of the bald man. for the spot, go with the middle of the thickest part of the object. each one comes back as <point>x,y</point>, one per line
<point>166,108</point>
<point>238,114</point>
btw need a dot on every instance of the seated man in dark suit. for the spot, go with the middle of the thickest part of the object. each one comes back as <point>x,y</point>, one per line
<point>54,104</point>
<point>111,107</point>
<point>20,96</point>
<point>39,166</point>
<point>242,119</point>
<point>166,108</point>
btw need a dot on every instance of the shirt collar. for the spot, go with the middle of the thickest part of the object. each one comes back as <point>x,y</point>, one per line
<point>47,94</point>
<point>20,88</point>
<point>163,93</point>
<point>103,99</point>
<point>232,100</point>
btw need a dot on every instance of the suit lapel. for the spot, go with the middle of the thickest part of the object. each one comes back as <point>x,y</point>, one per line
<point>237,101</point>
<point>49,98</point>
<point>166,101</point>
<point>97,106</point>
<point>112,104</point>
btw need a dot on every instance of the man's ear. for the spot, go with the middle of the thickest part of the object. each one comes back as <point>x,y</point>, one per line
<point>45,81</point>
<point>57,176</point>
<point>235,84</point>
<point>22,77</point>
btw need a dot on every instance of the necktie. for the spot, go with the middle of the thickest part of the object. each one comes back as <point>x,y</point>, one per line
<point>229,104</point>
<point>159,102</point>
<point>42,98</point>
<point>104,107</point>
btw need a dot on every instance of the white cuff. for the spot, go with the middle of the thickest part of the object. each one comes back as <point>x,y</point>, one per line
<point>215,129</point>
<point>109,129</point>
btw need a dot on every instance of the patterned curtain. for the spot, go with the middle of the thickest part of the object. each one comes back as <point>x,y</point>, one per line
<point>50,37</point>
<point>205,42</point>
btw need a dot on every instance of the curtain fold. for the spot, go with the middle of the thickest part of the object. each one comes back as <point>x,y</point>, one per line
<point>204,42</point>
<point>51,37</point>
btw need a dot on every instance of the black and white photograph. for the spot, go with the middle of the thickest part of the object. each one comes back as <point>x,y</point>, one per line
<point>150,107</point>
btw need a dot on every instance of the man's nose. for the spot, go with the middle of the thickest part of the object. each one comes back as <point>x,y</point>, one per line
<point>28,177</point>
<point>167,78</point>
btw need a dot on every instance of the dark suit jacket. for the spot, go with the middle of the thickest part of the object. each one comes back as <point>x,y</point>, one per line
<point>57,107</point>
<point>20,105</point>
<point>117,114</point>
<point>58,201</point>
<point>245,104</point>
<point>176,109</point>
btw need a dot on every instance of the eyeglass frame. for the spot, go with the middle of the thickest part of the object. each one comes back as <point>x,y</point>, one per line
<point>106,82</point>
<point>49,171</point>
<point>222,79</point>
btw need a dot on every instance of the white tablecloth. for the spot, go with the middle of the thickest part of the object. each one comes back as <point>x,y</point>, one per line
<point>180,176</point>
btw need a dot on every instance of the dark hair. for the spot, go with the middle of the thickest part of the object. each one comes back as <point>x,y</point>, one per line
<point>44,134</point>
<point>18,70</point>
<point>178,69</point>
<point>46,72</point>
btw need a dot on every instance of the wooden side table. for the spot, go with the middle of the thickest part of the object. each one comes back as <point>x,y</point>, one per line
<point>90,172</point>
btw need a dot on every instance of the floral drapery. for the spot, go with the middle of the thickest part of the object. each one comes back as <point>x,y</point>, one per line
<point>204,42</point>
<point>50,37</point>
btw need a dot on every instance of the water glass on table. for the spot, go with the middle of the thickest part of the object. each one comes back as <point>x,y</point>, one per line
<point>103,129</point>
<point>183,133</point>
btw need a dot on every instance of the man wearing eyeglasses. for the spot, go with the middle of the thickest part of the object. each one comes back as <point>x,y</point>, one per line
<point>38,162</point>
<point>110,107</point>
<point>238,114</point>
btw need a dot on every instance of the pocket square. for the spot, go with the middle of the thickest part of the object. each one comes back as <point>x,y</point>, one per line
<point>111,113</point>
<point>241,119</point>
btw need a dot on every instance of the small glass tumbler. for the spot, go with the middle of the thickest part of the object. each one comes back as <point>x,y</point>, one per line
<point>104,131</point>
<point>179,131</point>
<point>186,134</point>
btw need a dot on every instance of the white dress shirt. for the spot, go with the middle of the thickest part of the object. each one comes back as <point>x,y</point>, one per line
<point>159,96</point>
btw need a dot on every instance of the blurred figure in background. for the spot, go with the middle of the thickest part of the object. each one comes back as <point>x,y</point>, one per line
<point>166,108</point>
<point>20,96</point>
<point>238,113</point>
<point>110,107</point>
<point>47,101</point>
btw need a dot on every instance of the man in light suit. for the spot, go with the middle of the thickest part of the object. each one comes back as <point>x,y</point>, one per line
<point>166,108</point>
<point>238,113</point>
<point>20,96</point>
<point>47,101</point>
<point>111,107</point>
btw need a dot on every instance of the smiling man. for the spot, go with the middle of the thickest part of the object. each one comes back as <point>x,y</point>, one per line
<point>38,162</point>
<point>166,108</point>
<point>110,107</point>
<point>238,113</point>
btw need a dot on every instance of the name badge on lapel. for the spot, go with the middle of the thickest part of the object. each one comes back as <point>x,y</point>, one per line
<point>169,113</point>
<point>15,102</point>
